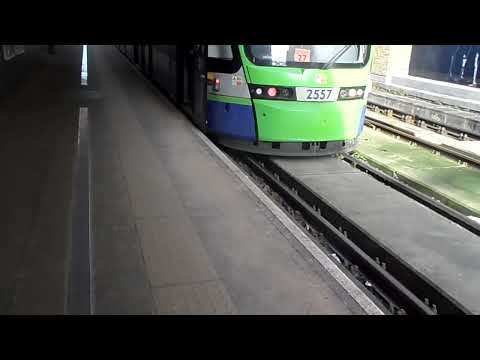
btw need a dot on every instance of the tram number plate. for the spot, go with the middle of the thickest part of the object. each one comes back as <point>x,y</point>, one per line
<point>317,94</point>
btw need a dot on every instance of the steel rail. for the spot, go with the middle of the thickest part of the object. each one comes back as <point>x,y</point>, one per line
<point>449,151</point>
<point>412,291</point>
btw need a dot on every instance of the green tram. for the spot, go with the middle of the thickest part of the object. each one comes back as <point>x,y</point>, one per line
<point>286,100</point>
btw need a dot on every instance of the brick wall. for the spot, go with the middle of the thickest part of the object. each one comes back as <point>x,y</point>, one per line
<point>381,55</point>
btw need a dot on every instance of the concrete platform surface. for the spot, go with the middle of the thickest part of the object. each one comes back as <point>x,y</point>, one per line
<point>175,231</point>
<point>440,249</point>
<point>39,117</point>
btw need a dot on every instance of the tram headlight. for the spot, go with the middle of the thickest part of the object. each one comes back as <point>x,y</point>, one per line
<point>351,93</point>
<point>272,92</point>
<point>285,93</point>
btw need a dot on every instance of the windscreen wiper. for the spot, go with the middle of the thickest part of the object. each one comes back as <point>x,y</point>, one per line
<point>335,57</point>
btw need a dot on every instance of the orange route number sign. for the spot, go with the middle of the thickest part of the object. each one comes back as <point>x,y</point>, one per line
<point>302,55</point>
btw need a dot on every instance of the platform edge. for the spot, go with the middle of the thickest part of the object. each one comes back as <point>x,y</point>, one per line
<point>318,254</point>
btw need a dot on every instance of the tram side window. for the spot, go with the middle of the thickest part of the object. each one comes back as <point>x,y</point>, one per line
<point>223,52</point>
<point>221,58</point>
<point>8,52</point>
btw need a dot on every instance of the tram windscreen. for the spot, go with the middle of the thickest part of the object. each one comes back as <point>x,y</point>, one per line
<point>308,55</point>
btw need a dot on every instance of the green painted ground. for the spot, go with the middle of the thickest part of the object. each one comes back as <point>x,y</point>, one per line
<point>440,177</point>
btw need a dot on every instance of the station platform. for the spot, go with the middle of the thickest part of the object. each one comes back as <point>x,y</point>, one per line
<point>458,95</point>
<point>437,105</point>
<point>173,229</point>
<point>37,146</point>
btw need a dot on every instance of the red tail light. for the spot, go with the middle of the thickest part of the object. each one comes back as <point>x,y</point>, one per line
<point>217,84</point>
<point>272,92</point>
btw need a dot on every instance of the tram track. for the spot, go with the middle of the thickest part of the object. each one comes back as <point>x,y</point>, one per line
<point>400,288</point>
<point>422,122</point>
<point>456,154</point>
<point>414,194</point>
<point>449,208</point>
<point>391,280</point>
